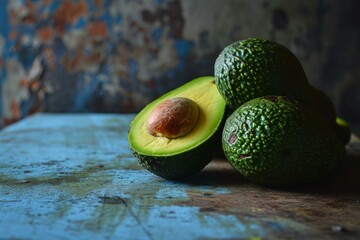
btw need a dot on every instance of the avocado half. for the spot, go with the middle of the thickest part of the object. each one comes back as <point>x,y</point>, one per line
<point>188,154</point>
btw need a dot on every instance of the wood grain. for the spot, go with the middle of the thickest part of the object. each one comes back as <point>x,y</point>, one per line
<point>74,177</point>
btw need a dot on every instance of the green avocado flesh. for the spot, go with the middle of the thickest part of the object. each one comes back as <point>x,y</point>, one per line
<point>254,67</point>
<point>188,154</point>
<point>277,141</point>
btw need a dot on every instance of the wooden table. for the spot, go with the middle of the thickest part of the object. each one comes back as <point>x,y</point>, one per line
<point>74,177</point>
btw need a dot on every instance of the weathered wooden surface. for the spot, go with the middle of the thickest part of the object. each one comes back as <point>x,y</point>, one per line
<point>73,176</point>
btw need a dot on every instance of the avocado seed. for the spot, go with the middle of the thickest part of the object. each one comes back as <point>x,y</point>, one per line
<point>173,118</point>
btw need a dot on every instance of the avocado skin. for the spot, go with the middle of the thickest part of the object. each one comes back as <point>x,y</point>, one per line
<point>255,67</point>
<point>343,130</point>
<point>321,103</point>
<point>181,165</point>
<point>178,165</point>
<point>277,141</point>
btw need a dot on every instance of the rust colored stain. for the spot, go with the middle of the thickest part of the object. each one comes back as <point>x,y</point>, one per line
<point>98,2</point>
<point>50,58</point>
<point>71,63</point>
<point>93,58</point>
<point>29,19</point>
<point>165,44</point>
<point>97,29</point>
<point>12,17</point>
<point>45,34</point>
<point>80,60</point>
<point>34,85</point>
<point>15,109</point>
<point>69,12</point>
<point>24,82</point>
<point>24,13</point>
<point>13,35</point>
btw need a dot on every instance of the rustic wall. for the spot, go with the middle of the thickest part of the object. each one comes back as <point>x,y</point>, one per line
<point>116,56</point>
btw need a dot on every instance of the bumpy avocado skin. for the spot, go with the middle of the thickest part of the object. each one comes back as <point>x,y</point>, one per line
<point>254,67</point>
<point>276,141</point>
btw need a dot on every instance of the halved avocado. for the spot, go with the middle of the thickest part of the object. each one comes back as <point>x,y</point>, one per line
<point>182,156</point>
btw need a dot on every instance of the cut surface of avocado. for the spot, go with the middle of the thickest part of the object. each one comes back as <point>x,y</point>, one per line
<point>190,152</point>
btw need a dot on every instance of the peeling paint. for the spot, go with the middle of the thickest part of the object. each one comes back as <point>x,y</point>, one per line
<point>116,56</point>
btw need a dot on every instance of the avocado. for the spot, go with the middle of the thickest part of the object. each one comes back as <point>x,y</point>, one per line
<point>174,136</point>
<point>278,141</point>
<point>320,102</point>
<point>255,67</point>
<point>343,130</point>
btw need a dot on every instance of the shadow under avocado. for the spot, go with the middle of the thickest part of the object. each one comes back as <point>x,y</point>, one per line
<point>345,181</point>
<point>213,176</point>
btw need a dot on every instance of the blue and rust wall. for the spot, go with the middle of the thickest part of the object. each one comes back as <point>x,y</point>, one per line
<point>116,56</point>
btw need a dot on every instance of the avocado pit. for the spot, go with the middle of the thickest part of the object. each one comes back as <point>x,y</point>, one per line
<point>173,118</point>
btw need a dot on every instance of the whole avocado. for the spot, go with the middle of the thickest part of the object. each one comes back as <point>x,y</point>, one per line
<point>277,141</point>
<point>255,67</point>
<point>320,102</point>
<point>343,130</point>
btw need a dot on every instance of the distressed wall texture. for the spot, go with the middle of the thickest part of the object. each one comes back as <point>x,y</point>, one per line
<point>116,56</point>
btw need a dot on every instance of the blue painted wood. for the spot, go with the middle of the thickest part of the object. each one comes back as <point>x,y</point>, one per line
<point>73,176</point>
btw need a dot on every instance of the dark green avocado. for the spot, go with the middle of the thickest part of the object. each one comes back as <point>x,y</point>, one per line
<point>277,141</point>
<point>321,103</point>
<point>343,130</point>
<point>175,156</point>
<point>255,67</point>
